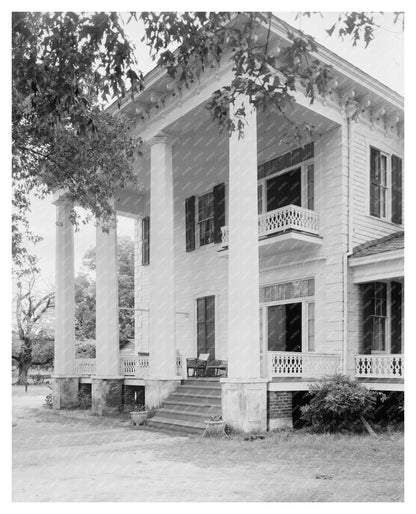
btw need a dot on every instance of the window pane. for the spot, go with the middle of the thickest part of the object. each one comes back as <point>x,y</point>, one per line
<point>200,307</point>
<point>375,200</point>
<point>210,309</point>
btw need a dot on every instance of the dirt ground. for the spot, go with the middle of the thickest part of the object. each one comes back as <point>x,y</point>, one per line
<point>74,456</point>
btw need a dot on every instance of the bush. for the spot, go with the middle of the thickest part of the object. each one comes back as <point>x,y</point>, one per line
<point>337,405</point>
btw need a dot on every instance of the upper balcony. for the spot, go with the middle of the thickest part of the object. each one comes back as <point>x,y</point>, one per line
<point>290,226</point>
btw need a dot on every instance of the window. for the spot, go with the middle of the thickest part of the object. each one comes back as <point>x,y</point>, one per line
<point>378,183</point>
<point>311,326</point>
<point>287,180</point>
<point>386,186</point>
<point>206,218</point>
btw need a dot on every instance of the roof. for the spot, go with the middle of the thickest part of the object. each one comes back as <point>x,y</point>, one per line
<point>388,243</point>
<point>280,28</point>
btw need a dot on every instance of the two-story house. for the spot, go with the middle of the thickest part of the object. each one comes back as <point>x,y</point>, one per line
<point>284,262</point>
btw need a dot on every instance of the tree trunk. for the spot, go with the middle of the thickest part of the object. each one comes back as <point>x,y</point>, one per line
<point>23,371</point>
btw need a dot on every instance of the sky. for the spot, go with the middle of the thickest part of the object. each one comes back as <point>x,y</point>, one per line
<point>387,48</point>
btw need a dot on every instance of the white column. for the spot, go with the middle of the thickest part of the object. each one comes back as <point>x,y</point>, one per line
<point>243,257</point>
<point>64,291</point>
<point>162,349</point>
<point>107,328</point>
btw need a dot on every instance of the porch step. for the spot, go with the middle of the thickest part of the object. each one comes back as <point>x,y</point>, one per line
<point>181,425</point>
<point>186,409</point>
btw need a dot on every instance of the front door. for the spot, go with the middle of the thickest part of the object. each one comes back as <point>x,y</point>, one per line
<point>284,327</point>
<point>206,326</point>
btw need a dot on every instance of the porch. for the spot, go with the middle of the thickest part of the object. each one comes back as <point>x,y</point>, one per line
<point>280,365</point>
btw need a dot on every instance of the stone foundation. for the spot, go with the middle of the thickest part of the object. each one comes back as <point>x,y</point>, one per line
<point>244,404</point>
<point>107,396</point>
<point>65,392</point>
<point>156,391</point>
<point>279,410</point>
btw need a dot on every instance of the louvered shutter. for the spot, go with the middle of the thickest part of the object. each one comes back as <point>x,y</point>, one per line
<point>190,223</point>
<point>219,211</point>
<point>367,296</point>
<point>145,241</point>
<point>396,317</point>
<point>397,189</point>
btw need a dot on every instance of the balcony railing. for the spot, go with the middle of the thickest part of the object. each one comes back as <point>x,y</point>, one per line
<point>137,367</point>
<point>303,365</point>
<point>85,367</point>
<point>290,217</point>
<point>379,366</point>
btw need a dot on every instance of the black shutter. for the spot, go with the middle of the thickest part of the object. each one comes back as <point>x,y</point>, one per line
<point>396,317</point>
<point>367,295</point>
<point>397,189</point>
<point>375,182</point>
<point>145,241</point>
<point>219,211</point>
<point>190,223</point>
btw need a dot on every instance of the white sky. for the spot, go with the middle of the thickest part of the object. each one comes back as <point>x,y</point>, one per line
<point>383,59</point>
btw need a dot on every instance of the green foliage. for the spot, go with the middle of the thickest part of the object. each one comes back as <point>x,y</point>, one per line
<point>84,350</point>
<point>85,302</point>
<point>64,66</point>
<point>337,404</point>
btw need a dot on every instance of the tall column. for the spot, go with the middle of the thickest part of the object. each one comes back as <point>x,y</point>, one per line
<point>107,385</point>
<point>65,384</point>
<point>244,392</point>
<point>162,351</point>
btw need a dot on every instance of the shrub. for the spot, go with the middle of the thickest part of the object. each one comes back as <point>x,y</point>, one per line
<point>337,405</point>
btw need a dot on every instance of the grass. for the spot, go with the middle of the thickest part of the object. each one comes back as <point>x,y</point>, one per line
<point>292,466</point>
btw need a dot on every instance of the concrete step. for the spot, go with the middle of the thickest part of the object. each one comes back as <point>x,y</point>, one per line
<point>175,424</point>
<point>203,403</point>
<point>189,415</point>
<point>195,397</point>
<point>209,390</point>
<point>215,384</point>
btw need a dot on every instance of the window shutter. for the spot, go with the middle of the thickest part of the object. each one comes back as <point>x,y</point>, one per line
<point>374,182</point>
<point>397,189</point>
<point>396,317</point>
<point>219,211</point>
<point>190,223</point>
<point>145,241</point>
<point>367,310</point>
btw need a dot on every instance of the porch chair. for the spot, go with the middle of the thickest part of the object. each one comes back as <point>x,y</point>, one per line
<point>199,365</point>
<point>217,368</point>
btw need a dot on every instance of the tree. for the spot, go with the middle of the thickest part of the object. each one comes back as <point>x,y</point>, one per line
<point>85,303</point>
<point>31,307</point>
<point>65,66</point>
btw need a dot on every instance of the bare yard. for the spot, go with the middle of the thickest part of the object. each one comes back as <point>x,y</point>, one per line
<point>74,456</point>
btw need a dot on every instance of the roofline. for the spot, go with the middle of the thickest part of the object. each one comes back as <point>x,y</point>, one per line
<point>280,27</point>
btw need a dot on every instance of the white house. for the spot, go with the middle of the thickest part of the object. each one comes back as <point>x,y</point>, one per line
<point>283,262</point>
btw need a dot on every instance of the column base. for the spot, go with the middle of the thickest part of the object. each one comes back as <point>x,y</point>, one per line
<point>244,404</point>
<point>65,392</point>
<point>157,390</point>
<point>107,396</point>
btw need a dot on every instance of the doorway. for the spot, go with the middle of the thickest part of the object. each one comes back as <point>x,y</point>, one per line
<point>284,327</point>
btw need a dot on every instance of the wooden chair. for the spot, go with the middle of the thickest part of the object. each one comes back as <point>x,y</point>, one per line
<point>217,367</point>
<point>199,365</point>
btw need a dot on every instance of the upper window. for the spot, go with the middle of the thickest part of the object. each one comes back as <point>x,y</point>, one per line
<point>206,218</point>
<point>385,186</point>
